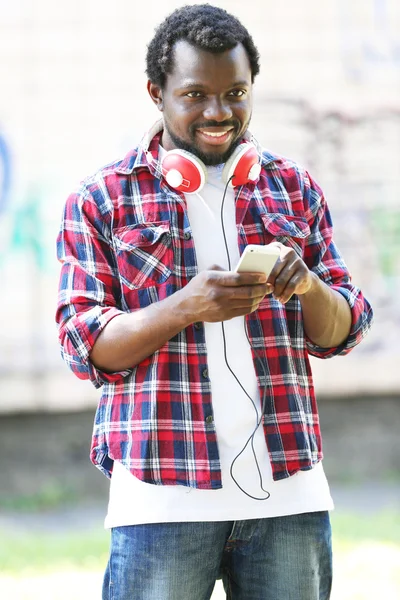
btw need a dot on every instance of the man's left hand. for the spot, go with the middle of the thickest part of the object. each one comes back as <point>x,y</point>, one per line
<point>290,275</point>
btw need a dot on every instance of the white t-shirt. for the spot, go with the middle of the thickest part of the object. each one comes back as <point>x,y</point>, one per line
<point>135,502</point>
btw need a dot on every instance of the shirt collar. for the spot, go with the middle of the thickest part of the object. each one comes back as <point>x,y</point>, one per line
<point>146,154</point>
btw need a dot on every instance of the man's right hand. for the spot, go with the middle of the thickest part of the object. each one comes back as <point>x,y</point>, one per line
<point>213,295</point>
<point>217,295</point>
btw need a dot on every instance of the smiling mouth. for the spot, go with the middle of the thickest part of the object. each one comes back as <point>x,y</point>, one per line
<point>215,137</point>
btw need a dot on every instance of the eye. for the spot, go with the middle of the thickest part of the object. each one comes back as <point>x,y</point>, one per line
<point>194,95</point>
<point>237,93</point>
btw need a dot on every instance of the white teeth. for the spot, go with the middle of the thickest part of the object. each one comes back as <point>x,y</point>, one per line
<point>213,134</point>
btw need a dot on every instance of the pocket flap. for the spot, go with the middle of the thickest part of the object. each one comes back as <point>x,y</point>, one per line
<point>141,235</point>
<point>279,225</point>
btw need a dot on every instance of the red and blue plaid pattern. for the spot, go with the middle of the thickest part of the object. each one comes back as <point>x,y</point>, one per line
<point>123,246</point>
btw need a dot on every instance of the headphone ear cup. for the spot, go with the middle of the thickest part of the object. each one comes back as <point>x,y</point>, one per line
<point>242,166</point>
<point>183,171</point>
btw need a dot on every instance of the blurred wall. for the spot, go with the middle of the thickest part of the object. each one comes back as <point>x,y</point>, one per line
<point>73,98</point>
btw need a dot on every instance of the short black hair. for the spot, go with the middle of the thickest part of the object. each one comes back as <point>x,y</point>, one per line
<point>207,27</point>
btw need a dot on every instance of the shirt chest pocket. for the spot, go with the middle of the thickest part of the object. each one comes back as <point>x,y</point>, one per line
<point>144,254</point>
<point>289,230</point>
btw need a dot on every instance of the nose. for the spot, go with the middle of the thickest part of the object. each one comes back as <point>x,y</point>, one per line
<point>217,109</point>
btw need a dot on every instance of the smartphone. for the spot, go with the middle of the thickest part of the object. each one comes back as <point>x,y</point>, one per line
<point>258,259</point>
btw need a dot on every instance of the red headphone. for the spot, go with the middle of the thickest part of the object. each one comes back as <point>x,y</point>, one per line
<point>187,173</point>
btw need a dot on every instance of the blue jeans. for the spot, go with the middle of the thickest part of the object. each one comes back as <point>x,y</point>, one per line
<point>278,558</point>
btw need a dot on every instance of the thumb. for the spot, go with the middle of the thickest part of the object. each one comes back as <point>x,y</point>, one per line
<point>216,268</point>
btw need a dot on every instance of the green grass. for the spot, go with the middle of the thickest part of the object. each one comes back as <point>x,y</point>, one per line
<point>353,528</point>
<point>52,495</point>
<point>366,554</point>
<point>23,553</point>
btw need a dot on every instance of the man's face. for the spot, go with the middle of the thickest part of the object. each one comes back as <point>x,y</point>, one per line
<point>206,102</point>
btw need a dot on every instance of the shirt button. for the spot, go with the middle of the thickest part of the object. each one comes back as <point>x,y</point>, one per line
<point>209,419</point>
<point>205,373</point>
<point>187,235</point>
<point>198,325</point>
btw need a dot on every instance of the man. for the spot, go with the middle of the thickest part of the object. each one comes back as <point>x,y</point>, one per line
<point>208,421</point>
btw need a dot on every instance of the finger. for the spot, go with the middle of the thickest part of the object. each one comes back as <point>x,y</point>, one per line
<point>232,279</point>
<point>285,272</point>
<point>250,292</point>
<point>239,300</point>
<point>287,257</point>
<point>240,311</point>
<point>250,307</point>
<point>290,287</point>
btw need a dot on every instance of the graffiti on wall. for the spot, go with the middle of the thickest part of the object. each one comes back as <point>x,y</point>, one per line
<point>5,174</point>
<point>387,228</point>
<point>355,158</point>
<point>21,226</point>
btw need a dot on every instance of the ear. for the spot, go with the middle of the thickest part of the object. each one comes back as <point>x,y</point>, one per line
<point>155,94</point>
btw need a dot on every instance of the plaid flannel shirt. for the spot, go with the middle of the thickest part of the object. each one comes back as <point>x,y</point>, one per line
<point>125,243</point>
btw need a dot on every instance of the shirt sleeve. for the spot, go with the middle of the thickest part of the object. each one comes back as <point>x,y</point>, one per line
<point>323,258</point>
<point>89,285</point>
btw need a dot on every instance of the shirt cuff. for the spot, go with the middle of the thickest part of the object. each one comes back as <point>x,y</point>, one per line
<point>361,322</point>
<point>82,332</point>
